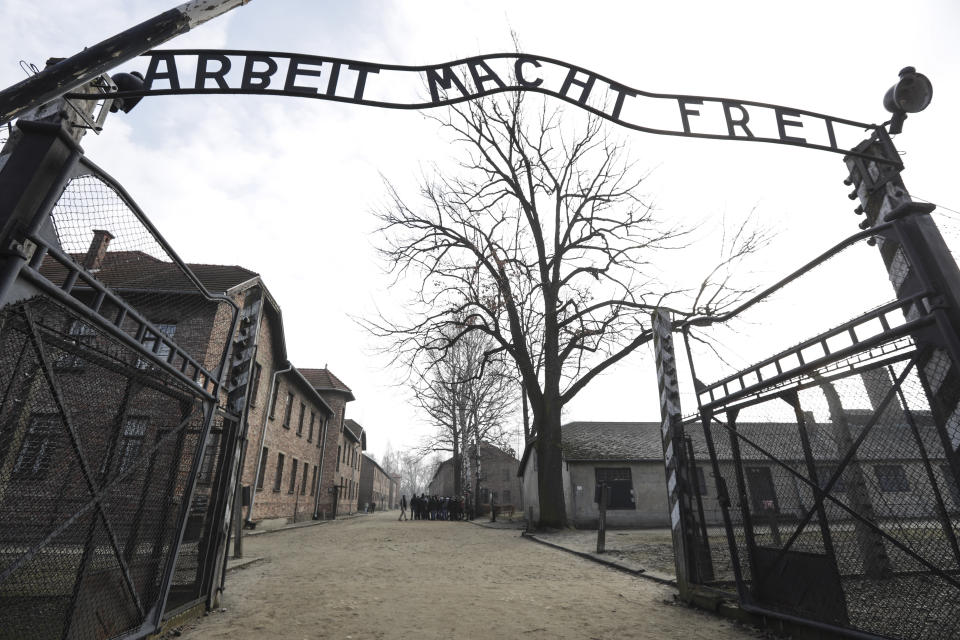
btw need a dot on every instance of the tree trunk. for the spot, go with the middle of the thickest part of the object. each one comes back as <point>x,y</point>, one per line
<point>457,473</point>
<point>526,415</point>
<point>553,511</point>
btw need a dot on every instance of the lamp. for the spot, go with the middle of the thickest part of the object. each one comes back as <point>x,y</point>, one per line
<point>127,82</point>
<point>911,94</point>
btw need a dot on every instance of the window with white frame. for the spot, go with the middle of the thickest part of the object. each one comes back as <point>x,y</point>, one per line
<point>131,441</point>
<point>38,446</point>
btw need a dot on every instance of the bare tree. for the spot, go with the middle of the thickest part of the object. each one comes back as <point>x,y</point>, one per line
<point>468,397</point>
<point>541,243</point>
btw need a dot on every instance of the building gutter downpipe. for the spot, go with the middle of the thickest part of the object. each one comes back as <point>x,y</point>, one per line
<point>263,433</point>
<point>323,452</point>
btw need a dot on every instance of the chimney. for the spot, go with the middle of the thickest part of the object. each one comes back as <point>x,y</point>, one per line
<point>98,249</point>
<point>879,383</point>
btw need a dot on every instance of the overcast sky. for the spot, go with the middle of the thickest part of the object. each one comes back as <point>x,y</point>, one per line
<point>285,186</point>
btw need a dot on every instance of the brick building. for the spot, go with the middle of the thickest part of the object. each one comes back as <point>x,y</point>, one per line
<point>332,498</point>
<point>287,469</point>
<point>441,484</point>
<point>353,442</point>
<point>395,491</point>
<point>498,476</point>
<point>376,485</point>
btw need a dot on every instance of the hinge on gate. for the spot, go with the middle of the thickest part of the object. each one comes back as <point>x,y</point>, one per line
<point>24,248</point>
<point>934,302</point>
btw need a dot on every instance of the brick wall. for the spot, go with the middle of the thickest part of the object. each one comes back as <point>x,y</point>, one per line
<point>270,437</point>
<point>375,485</point>
<point>331,475</point>
<point>499,471</point>
<point>289,488</point>
<point>348,475</point>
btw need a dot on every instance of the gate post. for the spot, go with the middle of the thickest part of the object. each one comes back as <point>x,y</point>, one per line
<point>36,163</point>
<point>917,260</point>
<point>679,485</point>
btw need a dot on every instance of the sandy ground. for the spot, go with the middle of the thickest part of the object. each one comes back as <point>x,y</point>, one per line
<point>374,577</point>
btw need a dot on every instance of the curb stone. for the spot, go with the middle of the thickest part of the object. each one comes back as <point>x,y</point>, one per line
<point>640,573</point>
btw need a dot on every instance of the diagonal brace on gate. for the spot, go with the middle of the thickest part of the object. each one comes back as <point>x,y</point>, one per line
<point>96,498</point>
<point>84,465</point>
<point>824,493</point>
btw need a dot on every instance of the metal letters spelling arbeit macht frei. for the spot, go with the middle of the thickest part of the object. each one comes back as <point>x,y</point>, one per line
<point>196,71</point>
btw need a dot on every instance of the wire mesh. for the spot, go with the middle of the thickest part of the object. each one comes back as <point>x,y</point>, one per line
<point>96,453</point>
<point>828,486</point>
<point>101,230</point>
<point>203,518</point>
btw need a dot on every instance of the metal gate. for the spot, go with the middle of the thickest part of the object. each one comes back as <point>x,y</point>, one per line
<point>111,445</point>
<point>819,483</point>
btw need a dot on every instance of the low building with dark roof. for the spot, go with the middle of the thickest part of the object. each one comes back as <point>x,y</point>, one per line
<point>626,455</point>
<point>887,476</point>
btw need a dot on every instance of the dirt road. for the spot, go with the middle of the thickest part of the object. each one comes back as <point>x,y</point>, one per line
<point>374,577</point>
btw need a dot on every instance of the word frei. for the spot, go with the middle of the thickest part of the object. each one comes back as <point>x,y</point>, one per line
<point>418,87</point>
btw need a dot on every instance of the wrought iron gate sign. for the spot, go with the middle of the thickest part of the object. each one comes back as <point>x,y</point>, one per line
<point>199,71</point>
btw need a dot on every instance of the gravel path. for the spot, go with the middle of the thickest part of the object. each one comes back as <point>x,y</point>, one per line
<point>374,577</point>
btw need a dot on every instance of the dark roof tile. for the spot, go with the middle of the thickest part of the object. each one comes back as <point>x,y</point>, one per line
<point>324,380</point>
<point>139,270</point>
<point>612,441</point>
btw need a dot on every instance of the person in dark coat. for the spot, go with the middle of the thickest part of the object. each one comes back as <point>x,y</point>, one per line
<point>403,508</point>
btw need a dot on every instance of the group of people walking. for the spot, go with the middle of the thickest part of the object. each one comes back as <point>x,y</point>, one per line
<point>424,507</point>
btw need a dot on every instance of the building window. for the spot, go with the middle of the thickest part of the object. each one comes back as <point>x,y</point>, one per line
<point>620,482</point>
<point>38,447</point>
<point>952,485</point>
<point>134,430</point>
<point>293,476</point>
<point>263,468</point>
<point>891,478</point>
<point>155,344</point>
<point>701,480</point>
<point>824,473</point>
<point>339,455</point>
<point>273,403</point>
<point>278,479</point>
<point>81,334</point>
<point>763,493</point>
<point>506,496</point>
<point>255,385</point>
<point>288,412</point>
<point>313,483</point>
<point>209,459</point>
<point>303,483</point>
<point>323,430</point>
<point>303,409</point>
<point>313,417</point>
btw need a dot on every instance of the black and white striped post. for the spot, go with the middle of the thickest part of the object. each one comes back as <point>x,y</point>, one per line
<point>671,430</point>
